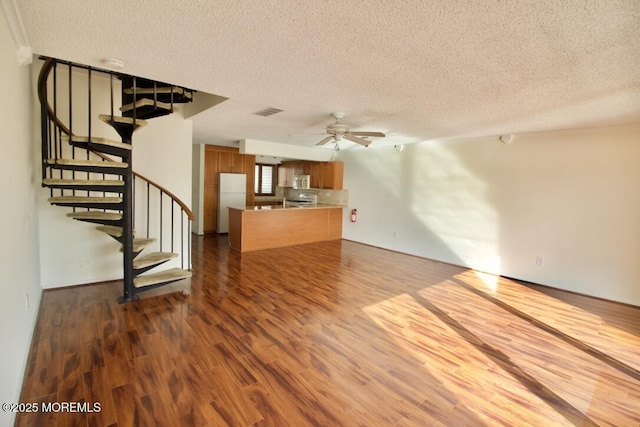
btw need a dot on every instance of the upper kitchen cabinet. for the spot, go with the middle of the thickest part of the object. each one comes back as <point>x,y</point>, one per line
<point>316,174</point>
<point>327,175</point>
<point>231,162</point>
<point>287,170</point>
<point>285,175</point>
<point>331,176</point>
<point>302,168</point>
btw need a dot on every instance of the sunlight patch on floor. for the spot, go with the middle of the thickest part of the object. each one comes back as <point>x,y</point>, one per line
<point>457,367</point>
<point>565,317</point>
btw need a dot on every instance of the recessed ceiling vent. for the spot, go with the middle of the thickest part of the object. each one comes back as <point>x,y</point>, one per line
<point>267,112</point>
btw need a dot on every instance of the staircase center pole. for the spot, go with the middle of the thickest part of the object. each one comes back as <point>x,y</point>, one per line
<point>129,293</point>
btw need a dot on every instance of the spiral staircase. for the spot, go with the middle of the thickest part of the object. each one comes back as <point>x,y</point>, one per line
<point>92,176</point>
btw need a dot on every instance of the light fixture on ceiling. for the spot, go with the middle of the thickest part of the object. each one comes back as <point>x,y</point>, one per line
<point>334,152</point>
<point>506,139</point>
<point>113,63</point>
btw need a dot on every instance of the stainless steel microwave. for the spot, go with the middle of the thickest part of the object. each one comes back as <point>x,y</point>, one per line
<point>301,182</point>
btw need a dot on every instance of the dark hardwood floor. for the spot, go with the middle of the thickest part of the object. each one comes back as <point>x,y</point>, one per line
<point>334,334</point>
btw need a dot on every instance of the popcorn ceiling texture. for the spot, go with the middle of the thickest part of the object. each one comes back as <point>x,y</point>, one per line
<point>416,70</point>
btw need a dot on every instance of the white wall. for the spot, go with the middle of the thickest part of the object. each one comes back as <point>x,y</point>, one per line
<point>569,197</point>
<point>73,252</point>
<point>289,151</point>
<point>19,266</point>
<point>162,153</point>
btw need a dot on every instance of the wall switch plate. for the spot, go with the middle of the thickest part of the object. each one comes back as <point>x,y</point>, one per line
<point>539,260</point>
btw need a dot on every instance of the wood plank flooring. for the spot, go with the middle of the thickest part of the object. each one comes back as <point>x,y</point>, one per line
<point>335,334</point>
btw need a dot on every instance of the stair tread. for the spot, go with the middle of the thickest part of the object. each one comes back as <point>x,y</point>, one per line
<point>80,162</point>
<point>119,119</point>
<point>112,230</point>
<point>84,199</point>
<point>140,243</point>
<point>153,258</point>
<point>95,215</point>
<point>170,275</point>
<point>101,182</point>
<point>160,89</point>
<point>99,141</point>
<point>145,102</point>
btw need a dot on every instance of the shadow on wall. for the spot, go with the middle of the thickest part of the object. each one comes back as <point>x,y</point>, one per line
<point>422,203</point>
<point>554,208</point>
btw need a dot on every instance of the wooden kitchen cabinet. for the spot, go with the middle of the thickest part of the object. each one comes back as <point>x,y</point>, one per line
<point>238,165</point>
<point>287,170</point>
<point>285,174</point>
<point>315,171</point>
<point>332,175</point>
<point>327,175</point>
<point>210,208</point>
<point>223,160</point>
<point>225,164</point>
<point>249,164</point>
<point>302,167</point>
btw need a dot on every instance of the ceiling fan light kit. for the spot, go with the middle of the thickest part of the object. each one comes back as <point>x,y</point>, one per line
<point>338,131</point>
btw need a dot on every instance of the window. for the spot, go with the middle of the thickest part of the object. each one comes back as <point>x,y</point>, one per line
<point>265,180</point>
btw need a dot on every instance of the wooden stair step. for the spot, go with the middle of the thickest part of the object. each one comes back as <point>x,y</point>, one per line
<point>125,126</point>
<point>139,244</point>
<point>98,143</point>
<point>87,163</point>
<point>123,120</point>
<point>153,258</point>
<point>112,230</point>
<point>96,215</point>
<point>56,182</point>
<point>145,108</point>
<point>165,276</point>
<point>97,185</point>
<point>83,199</point>
<point>145,102</point>
<point>163,93</point>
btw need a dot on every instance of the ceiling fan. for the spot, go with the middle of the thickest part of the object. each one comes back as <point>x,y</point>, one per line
<point>337,131</point>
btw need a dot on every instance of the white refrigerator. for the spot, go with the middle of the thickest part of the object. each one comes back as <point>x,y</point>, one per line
<point>232,192</point>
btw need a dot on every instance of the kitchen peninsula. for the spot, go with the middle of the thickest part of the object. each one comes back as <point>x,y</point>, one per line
<point>264,227</point>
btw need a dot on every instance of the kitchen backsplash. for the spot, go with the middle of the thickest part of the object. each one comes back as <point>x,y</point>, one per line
<point>325,197</point>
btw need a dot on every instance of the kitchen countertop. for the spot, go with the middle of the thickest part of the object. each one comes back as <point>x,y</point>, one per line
<point>286,207</point>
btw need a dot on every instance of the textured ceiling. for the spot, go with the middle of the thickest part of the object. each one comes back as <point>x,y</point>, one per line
<point>416,70</point>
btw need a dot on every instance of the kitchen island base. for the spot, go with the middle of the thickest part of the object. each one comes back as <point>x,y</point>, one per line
<point>254,229</point>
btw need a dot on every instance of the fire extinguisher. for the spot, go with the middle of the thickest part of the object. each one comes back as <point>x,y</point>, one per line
<point>354,215</point>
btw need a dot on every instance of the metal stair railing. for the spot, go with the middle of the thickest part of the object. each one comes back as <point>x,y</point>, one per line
<point>156,210</point>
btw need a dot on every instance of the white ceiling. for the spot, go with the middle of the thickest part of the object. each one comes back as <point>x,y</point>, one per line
<point>416,70</point>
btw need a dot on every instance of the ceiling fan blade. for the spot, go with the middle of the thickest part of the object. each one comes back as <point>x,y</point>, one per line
<point>324,141</point>
<point>357,140</point>
<point>378,134</point>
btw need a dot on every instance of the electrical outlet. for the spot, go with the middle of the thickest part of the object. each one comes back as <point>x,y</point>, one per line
<point>26,300</point>
<point>395,234</point>
<point>539,260</point>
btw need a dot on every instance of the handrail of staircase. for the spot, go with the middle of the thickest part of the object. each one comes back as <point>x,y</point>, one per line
<point>44,100</point>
